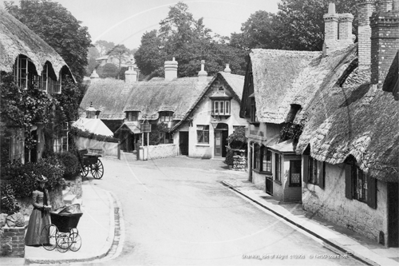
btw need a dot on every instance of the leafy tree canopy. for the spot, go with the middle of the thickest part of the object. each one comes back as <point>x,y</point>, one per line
<point>298,25</point>
<point>189,41</point>
<point>103,47</point>
<point>108,70</point>
<point>58,27</point>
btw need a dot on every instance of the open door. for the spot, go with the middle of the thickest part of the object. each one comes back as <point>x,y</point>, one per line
<point>183,142</point>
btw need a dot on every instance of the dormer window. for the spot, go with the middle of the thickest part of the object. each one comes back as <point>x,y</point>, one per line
<point>221,107</point>
<point>220,102</point>
<point>24,71</point>
<point>48,81</point>
<point>165,116</point>
<point>132,116</point>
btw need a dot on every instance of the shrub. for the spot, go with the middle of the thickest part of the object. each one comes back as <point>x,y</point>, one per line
<point>8,203</point>
<point>70,162</point>
<point>23,176</point>
<point>229,157</point>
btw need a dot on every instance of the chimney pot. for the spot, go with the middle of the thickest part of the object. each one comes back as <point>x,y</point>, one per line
<point>170,68</point>
<point>202,72</point>
<point>331,8</point>
<point>227,69</point>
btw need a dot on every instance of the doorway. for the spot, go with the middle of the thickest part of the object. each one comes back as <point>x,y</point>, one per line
<point>183,142</point>
<point>221,135</point>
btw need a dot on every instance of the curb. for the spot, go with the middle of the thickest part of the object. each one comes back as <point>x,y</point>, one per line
<point>334,244</point>
<point>110,242</point>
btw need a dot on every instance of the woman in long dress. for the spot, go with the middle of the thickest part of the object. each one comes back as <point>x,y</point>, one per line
<point>40,215</point>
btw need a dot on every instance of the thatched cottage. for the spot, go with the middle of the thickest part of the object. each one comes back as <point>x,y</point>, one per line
<point>346,124</point>
<point>32,62</point>
<point>175,107</point>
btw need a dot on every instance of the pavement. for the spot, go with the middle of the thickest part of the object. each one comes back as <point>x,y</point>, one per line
<point>101,228</point>
<point>340,238</point>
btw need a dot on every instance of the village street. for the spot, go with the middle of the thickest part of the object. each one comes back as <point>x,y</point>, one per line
<point>176,212</point>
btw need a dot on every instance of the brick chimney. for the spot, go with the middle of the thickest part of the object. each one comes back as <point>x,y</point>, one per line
<point>365,10</point>
<point>337,30</point>
<point>170,69</point>
<point>384,39</point>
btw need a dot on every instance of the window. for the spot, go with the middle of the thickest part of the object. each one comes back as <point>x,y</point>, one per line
<point>277,167</point>
<point>165,116</point>
<point>203,134</point>
<point>132,116</point>
<point>266,160</point>
<point>257,156</point>
<point>21,72</point>
<point>295,173</point>
<point>221,107</point>
<point>316,172</point>
<point>359,185</point>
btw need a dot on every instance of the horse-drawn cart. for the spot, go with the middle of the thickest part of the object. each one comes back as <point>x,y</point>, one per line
<point>90,162</point>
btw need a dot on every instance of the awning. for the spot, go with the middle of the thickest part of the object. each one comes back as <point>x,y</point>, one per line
<point>285,146</point>
<point>95,126</point>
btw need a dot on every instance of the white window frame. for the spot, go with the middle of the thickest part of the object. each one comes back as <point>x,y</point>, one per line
<point>221,107</point>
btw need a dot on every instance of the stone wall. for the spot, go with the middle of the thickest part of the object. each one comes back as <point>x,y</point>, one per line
<point>161,151</point>
<point>331,204</point>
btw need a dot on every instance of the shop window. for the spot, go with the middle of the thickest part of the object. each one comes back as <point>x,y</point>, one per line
<point>266,160</point>
<point>295,173</point>
<point>203,134</point>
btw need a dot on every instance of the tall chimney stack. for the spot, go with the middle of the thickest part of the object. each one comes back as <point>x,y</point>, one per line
<point>365,10</point>
<point>384,39</point>
<point>330,29</point>
<point>170,68</point>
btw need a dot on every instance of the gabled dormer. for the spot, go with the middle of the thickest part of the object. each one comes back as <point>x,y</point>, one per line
<point>221,102</point>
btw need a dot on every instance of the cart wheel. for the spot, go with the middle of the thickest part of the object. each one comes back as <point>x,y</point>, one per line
<point>97,169</point>
<point>84,170</point>
<point>76,240</point>
<point>63,242</point>
<point>49,232</point>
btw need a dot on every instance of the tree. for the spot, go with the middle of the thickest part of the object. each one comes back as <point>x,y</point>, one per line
<point>121,53</point>
<point>103,47</point>
<point>93,54</point>
<point>298,25</point>
<point>257,32</point>
<point>108,70</point>
<point>57,27</point>
<point>189,41</point>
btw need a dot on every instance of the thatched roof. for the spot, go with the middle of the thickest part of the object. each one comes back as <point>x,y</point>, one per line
<point>236,82</point>
<point>356,119</point>
<point>109,96</point>
<point>17,39</point>
<point>178,95</point>
<point>274,75</point>
<point>391,83</point>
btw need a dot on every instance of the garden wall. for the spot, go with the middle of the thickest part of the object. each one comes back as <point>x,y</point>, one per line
<point>159,151</point>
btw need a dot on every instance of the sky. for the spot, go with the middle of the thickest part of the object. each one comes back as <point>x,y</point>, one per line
<point>125,21</point>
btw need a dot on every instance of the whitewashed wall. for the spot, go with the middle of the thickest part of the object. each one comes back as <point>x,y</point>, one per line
<point>331,204</point>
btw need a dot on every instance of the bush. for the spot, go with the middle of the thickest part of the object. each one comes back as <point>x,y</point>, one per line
<point>229,157</point>
<point>70,162</point>
<point>23,176</point>
<point>8,202</point>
